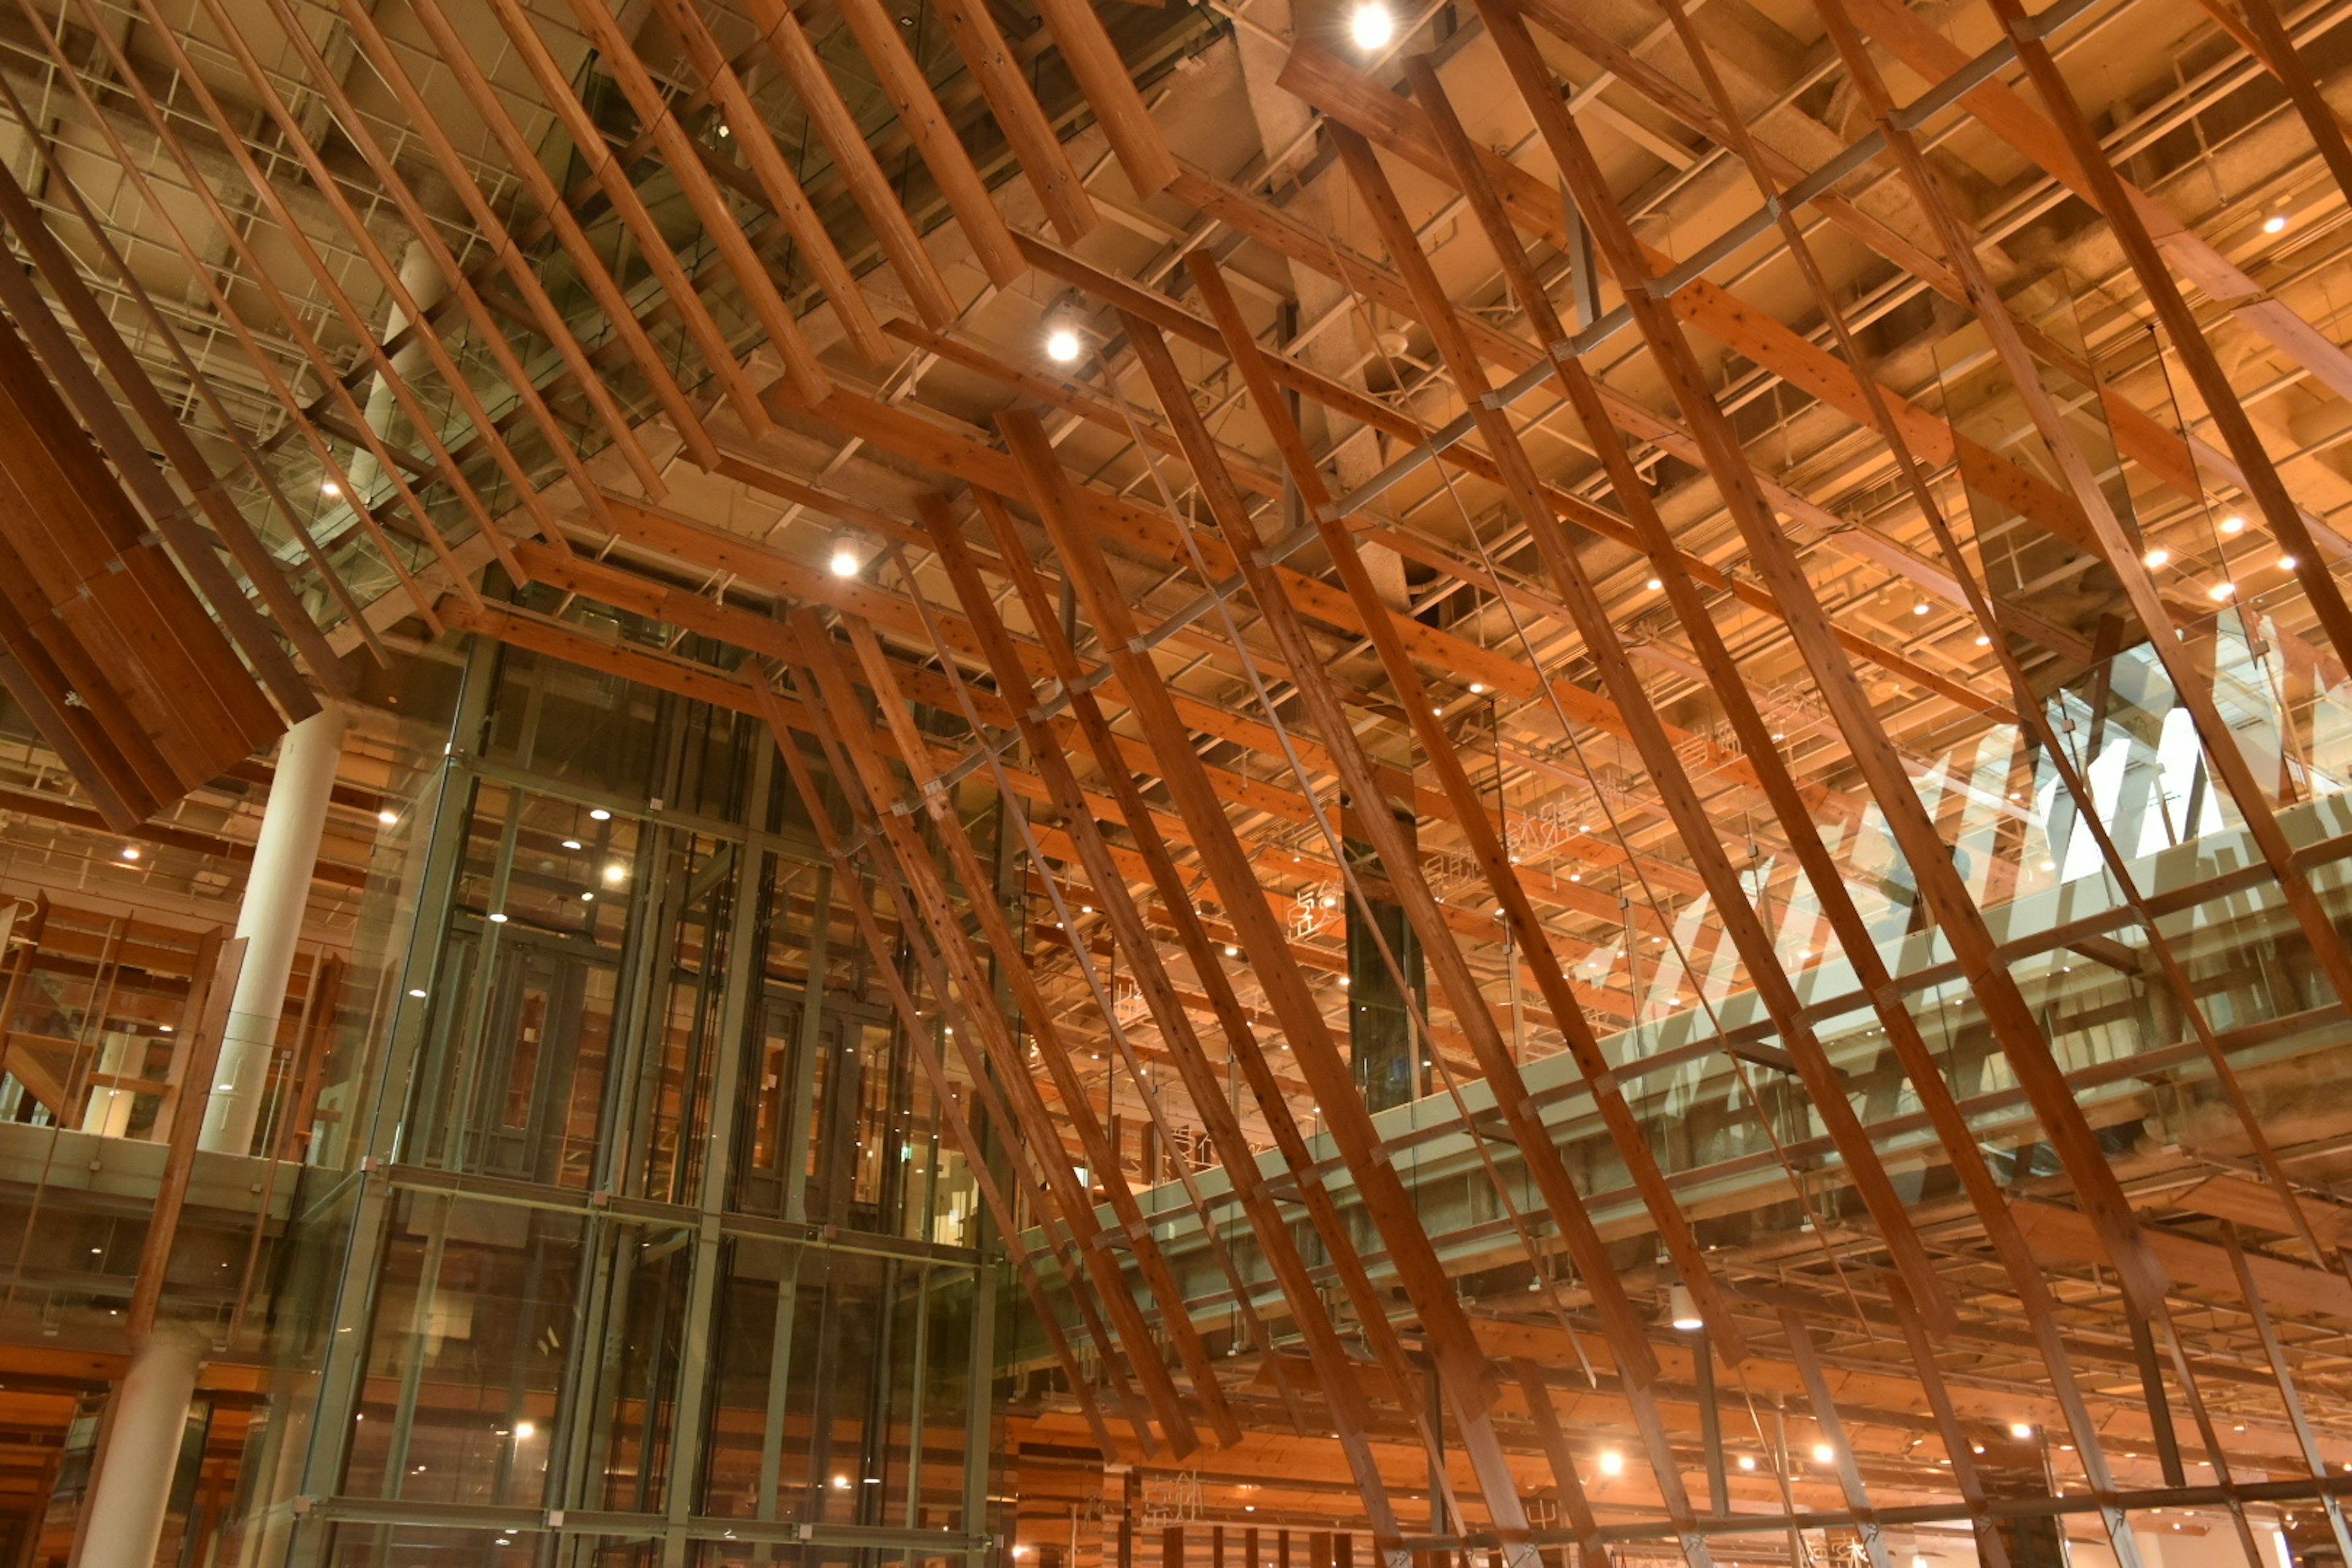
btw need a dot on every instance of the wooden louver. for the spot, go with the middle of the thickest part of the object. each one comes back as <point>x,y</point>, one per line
<point>110,651</point>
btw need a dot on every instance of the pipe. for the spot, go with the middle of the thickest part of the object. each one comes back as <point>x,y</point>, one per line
<point>276,895</point>
<point>133,1492</point>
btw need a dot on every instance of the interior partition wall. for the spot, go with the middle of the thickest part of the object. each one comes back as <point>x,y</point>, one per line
<point>632,1234</point>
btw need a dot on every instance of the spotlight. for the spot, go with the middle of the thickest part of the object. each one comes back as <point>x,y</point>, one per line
<point>1823,1453</point>
<point>130,852</point>
<point>1371,26</point>
<point>417,992</point>
<point>1062,343</point>
<point>2274,224</point>
<point>328,488</point>
<point>1612,1463</point>
<point>388,817</point>
<point>497,917</point>
<point>1654,584</point>
<point>2020,1429</point>
<point>614,873</point>
<point>2234,525</point>
<point>525,1430</point>
<point>572,843</point>
<point>1983,641</point>
<point>2286,562</point>
<point>599,814</point>
<point>2156,557</point>
<point>1682,1309</point>
<point>1919,607</point>
<point>844,557</point>
<point>2221,592</point>
<point>1746,1461</point>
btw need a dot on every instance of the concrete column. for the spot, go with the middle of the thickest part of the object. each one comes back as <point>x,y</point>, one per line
<point>276,892</point>
<point>133,1487</point>
<point>425,285</point>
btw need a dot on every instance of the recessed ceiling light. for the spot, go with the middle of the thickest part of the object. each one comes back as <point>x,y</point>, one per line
<point>130,852</point>
<point>2234,525</point>
<point>2274,224</point>
<point>599,814</point>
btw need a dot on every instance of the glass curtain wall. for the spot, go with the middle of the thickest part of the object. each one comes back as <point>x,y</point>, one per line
<point>632,1233</point>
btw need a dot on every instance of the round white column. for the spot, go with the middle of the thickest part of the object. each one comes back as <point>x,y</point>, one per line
<point>133,1490</point>
<point>277,893</point>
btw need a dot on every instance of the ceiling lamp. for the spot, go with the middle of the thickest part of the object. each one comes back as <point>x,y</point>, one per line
<point>845,556</point>
<point>1371,26</point>
<point>1682,1309</point>
<point>2274,224</point>
<point>1063,345</point>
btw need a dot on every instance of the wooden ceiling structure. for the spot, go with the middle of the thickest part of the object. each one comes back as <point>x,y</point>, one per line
<point>1672,479</point>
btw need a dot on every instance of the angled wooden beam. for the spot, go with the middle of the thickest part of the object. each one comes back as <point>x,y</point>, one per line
<point>1032,138</point>
<point>725,230</point>
<point>2005,1006</point>
<point>1111,93</point>
<point>943,151</point>
<point>869,187</point>
<point>1463,1368</point>
<point>456,56</point>
<point>587,139</point>
<point>850,888</point>
<point>798,224</point>
<point>1732,904</point>
<point>1118,1298</point>
<point>1013,964</point>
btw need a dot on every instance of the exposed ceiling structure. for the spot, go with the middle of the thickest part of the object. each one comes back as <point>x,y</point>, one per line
<point>1721,518</point>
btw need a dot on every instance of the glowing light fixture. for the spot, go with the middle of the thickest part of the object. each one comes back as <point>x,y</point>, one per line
<point>2234,525</point>
<point>1682,1309</point>
<point>2222,592</point>
<point>1612,1463</point>
<point>1370,25</point>
<point>1824,1453</point>
<point>1063,344</point>
<point>2274,224</point>
<point>844,557</point>
<point>2158,556</point>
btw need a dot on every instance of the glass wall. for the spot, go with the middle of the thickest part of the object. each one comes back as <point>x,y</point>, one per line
<point>634,1234</point>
